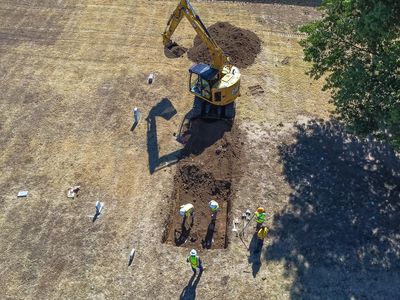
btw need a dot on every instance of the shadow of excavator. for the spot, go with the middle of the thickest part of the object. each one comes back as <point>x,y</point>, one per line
<point>194,134</point>
<point>166,110</point>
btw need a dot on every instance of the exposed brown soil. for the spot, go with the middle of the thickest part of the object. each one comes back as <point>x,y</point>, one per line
<point>240,45</point>
<point>207,173</point>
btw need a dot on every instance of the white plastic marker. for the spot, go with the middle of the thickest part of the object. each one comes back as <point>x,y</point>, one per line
<point>99,207</point>
<point>131,256</point>
<point>150,80</point>
<point>22,194</point>
<point>73,191</point>
<point>234,229</point>
<point>248,215</point>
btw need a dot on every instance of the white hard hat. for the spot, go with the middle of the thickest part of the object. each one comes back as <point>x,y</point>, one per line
<point>193,252</point>
<point>213,204</point>
<point>135,109</point>
<point>182,211</point>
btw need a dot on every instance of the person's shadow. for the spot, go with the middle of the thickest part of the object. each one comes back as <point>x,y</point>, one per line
<point>207,242</point>
<point>184,234</point>
<point>134,125</point>
<point>189,292</point>
<point>255,254</point>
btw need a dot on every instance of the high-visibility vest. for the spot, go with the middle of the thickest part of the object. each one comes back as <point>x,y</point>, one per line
<point>260,217</point>
<point>188,208</point>
<point>194,261</point>
<point>262,233</point>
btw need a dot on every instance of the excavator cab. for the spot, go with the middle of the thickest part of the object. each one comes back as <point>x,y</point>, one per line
<point>208,99</point>
<point>202,79</point>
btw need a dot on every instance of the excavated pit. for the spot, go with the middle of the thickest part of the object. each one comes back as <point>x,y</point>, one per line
<point>241,45</point>
<point>209,171</point>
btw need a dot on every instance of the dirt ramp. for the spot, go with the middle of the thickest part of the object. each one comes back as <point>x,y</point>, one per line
<point>241,45</point>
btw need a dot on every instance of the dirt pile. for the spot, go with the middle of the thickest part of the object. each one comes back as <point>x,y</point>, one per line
<point>212,155</point>
<point>197,181</point>
<point>240,45</point>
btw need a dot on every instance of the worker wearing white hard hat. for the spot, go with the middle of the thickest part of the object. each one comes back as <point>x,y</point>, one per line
<point>187,210</point>
<point>214,207</point>
<point>195,261</point>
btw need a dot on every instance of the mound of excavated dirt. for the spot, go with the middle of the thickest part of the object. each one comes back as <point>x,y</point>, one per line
<point>195,180</point>
<point>240,45</point>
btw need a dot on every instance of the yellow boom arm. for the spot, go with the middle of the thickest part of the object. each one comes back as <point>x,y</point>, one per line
<point>184,8</point>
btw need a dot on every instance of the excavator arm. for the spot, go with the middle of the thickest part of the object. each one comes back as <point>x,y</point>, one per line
<point>184,8</point>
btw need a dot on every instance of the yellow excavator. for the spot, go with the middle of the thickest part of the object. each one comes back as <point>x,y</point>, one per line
<point>215,86</point>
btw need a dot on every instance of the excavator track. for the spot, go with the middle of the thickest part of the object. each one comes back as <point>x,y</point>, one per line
<point>205,110</point>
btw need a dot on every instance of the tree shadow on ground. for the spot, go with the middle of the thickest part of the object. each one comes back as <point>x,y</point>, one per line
<point>255,248</point>
<point>312,3</point>
<point>189,292</point>
<point>339,235</point>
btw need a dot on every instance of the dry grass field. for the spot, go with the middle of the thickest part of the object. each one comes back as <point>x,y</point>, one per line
<point>70,73</point>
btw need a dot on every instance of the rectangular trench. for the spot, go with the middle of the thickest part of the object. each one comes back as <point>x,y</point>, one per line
<point>193,185</point>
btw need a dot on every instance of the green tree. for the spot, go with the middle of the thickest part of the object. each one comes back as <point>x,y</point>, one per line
<point>355,46</point>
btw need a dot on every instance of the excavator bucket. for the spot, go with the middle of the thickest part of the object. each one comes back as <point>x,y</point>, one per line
<point>173,50</point>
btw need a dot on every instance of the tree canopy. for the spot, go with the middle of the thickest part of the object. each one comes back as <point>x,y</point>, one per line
<point>355,47</point>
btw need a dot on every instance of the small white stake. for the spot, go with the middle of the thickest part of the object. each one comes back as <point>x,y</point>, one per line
<point>131,256</point>
<point>99,207</point>
<point>150,79</point>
